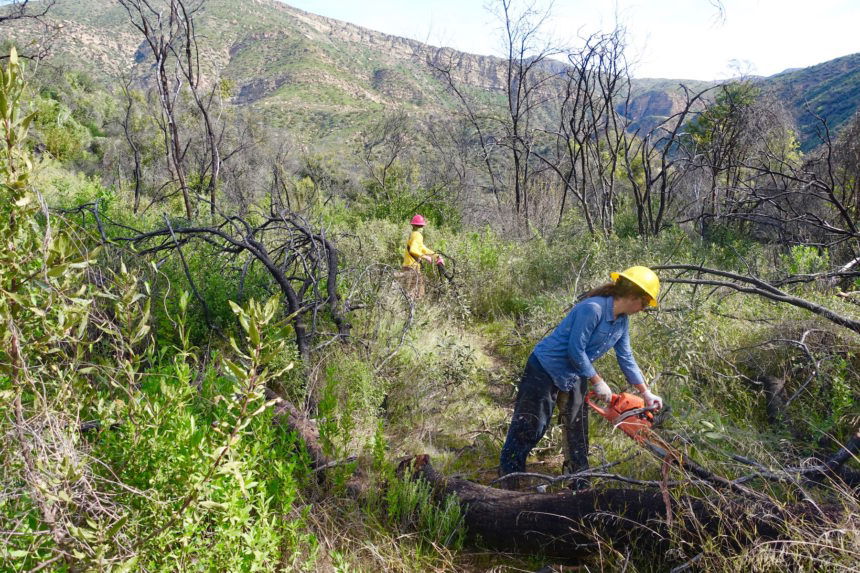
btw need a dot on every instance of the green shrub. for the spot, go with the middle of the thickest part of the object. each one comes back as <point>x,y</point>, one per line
<point>410,506</point>
<point>803,259</point>
<point>400,196</point>
<point>215,472</point>
<point>62,135</point>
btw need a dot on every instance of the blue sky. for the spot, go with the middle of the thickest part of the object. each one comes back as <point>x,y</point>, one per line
<point>681,39</point>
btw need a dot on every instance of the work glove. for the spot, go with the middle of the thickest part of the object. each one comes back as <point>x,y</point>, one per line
<point>602,390</point>
<point>439,261</point>
<point>652,400</point>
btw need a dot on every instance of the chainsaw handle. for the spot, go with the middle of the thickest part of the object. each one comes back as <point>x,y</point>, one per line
<point>612,401</point>
<point>635,412</point>
<point>603,411</point>
<point>592,394</point>
<point>607,410</point>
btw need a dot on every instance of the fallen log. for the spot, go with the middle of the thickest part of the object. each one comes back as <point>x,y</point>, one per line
<point>296,420</point>
<point>833,467</point>
<point>306,430</point>
<point>845,453</point>
<point>569,524</point>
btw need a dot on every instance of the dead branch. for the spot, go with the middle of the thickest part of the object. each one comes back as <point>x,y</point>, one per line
<point>302,261</point>
<point>22,9</point>
<point>188,276</point>
<point>753,285</point>
<point>829,470</point>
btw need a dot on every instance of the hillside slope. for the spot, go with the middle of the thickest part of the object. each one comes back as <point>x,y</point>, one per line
<point>321,77</point>
<point>829,90</point>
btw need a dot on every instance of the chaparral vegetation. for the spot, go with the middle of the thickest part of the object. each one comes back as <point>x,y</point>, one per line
<point>210,359</point>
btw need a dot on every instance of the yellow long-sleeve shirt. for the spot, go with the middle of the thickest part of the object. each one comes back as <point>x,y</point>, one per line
<point>415,249</point>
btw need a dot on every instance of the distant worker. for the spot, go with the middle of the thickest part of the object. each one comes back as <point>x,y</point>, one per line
<point>416,253</point>
<point>560,369</point>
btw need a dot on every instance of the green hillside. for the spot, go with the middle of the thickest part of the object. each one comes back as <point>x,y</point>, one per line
<point>830,90</point>
<point>319,77</point>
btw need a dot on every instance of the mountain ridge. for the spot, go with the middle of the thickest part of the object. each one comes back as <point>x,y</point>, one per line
<point>320,75</point>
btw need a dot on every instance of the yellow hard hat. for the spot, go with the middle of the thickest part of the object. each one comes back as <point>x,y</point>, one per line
<point>644,278</point>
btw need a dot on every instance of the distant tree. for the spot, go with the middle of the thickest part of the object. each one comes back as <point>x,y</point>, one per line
<point>717,141</point>
<point>384,145</point>
<point>827,183</point>
<point>655,169</point>
<point>14,12</point>
<point>137,174</point>
<point>814,200</point>
<point>527,73</point>
<point>168,30</point>
<point>589,141</point>
<point>24,9</point>
<point>475,118</point>
<point>507,138</point>
<point>772,146</point>
<point>451,155</point>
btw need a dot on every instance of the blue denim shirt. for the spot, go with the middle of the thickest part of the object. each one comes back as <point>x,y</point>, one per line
<point>587,333</point>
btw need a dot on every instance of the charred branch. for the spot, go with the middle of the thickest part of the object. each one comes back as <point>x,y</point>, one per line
<point>25,9</point>
<point>759,287</point>
<point>301,261</point>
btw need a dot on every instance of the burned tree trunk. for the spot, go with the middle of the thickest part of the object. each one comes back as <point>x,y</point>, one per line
<point>562,524</point>
<point>569,524</point>
<point>296,420</point>
<point>834,466</point>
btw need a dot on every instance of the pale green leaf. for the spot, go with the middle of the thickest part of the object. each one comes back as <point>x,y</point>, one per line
<point>237,370</point>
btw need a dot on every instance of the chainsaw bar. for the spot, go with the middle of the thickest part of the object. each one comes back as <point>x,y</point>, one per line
<point>627,412</point>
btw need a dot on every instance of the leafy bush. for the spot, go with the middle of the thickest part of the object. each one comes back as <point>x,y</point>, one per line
<point>61,134</point>
<point>410,506</point>
<point>400,196</point>
<point>803,259</point>
<point>129,456</point>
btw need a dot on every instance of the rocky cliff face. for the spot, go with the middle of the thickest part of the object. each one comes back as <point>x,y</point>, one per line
<point>649,109</point>
<point>654,103</point>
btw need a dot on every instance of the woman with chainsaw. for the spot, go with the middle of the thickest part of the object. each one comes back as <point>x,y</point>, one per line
<point>416,253</point>
<point>560,369</point>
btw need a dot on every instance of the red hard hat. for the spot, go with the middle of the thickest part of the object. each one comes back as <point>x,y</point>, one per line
<point>418,220</point>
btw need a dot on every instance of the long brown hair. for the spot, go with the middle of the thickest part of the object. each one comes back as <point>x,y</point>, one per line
<point>619,289</point>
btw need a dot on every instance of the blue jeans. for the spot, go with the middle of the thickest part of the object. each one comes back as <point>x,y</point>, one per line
<point>536,398</point>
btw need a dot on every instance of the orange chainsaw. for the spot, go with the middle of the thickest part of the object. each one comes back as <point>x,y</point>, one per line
<point>628,413</point>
